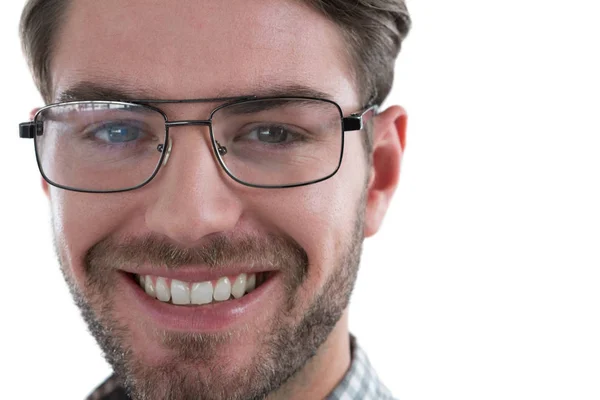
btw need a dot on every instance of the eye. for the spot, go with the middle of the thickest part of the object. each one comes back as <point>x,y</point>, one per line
<point>274,134</point>
<point>118,133</point>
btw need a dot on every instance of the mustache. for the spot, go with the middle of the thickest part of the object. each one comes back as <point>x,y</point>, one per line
<point>273,251</point>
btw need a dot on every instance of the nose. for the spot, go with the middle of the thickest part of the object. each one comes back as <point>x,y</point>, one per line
<point>194,198</point>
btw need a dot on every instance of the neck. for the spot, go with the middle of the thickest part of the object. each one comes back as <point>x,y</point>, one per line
<point>324,371</point>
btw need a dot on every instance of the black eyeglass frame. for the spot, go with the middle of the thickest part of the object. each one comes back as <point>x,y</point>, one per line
<point>354,122</point>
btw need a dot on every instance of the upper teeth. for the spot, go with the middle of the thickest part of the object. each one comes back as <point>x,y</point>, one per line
<point>181,293</point>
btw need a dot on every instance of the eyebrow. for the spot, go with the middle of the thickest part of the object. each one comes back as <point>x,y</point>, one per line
<point>252,107</point>
<point>88,91</point>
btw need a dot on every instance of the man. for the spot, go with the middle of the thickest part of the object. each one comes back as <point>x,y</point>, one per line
<point>213,168</point>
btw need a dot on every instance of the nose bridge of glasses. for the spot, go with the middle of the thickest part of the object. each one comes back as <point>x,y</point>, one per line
<point>188,122</point>
<point>181,123</point>
<point>168,148</point>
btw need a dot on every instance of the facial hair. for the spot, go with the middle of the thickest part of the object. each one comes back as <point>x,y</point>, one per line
<point>289,344</point>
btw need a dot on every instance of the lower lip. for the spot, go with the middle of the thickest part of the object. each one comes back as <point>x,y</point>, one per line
<point>213,317</point>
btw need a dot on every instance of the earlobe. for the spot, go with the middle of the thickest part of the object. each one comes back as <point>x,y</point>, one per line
<point>389,141</point>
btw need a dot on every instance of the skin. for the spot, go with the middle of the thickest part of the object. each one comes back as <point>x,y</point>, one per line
<point>200,49</point>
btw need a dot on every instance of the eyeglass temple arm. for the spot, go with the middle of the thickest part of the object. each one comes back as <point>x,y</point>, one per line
<point>357,121</point>
<point>29,130</point>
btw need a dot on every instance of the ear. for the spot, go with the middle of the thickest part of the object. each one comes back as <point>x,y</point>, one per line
<point>45,186</point>
<point>389,141</point>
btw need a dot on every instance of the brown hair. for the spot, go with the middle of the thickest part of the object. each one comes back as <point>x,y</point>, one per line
<point>374,30</point>
<point>40,22</point>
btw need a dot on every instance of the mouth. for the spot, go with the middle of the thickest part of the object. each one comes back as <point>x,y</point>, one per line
<point>194,300</point>
<point>183,293</point>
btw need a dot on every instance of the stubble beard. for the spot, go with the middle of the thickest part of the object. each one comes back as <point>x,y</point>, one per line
<point>288,345</point>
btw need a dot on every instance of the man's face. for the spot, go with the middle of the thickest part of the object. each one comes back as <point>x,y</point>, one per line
<point>192,222</point>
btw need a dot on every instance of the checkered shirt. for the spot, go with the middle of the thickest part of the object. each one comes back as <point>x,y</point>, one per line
<point>359,383</point>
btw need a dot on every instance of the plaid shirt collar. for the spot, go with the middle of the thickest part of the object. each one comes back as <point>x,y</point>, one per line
<point>359,383</point>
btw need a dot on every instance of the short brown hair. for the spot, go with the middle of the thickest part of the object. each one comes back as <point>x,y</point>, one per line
<point>374,30</point>
<point>40,22</point>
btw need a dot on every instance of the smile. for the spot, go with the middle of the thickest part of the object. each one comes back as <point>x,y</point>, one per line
<point>191,299</point>
<point>179,292</point>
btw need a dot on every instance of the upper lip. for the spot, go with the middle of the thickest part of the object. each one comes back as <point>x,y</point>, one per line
<point>190,273</point>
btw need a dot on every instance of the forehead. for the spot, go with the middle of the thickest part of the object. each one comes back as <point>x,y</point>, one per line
<point>194,49</point>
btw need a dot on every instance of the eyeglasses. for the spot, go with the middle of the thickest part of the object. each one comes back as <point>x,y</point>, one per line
<point>117,146</point>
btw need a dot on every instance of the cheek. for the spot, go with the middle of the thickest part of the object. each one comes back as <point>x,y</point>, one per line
<point>81,220</point>
<point>321,217</point>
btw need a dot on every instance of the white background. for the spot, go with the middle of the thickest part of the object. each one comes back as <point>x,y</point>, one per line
<point>484,282</point>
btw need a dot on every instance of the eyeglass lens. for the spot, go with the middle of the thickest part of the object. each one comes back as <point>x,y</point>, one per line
<point>278,142</point>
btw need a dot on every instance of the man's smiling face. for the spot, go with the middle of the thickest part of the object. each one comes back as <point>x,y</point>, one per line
<point>193,223</point>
